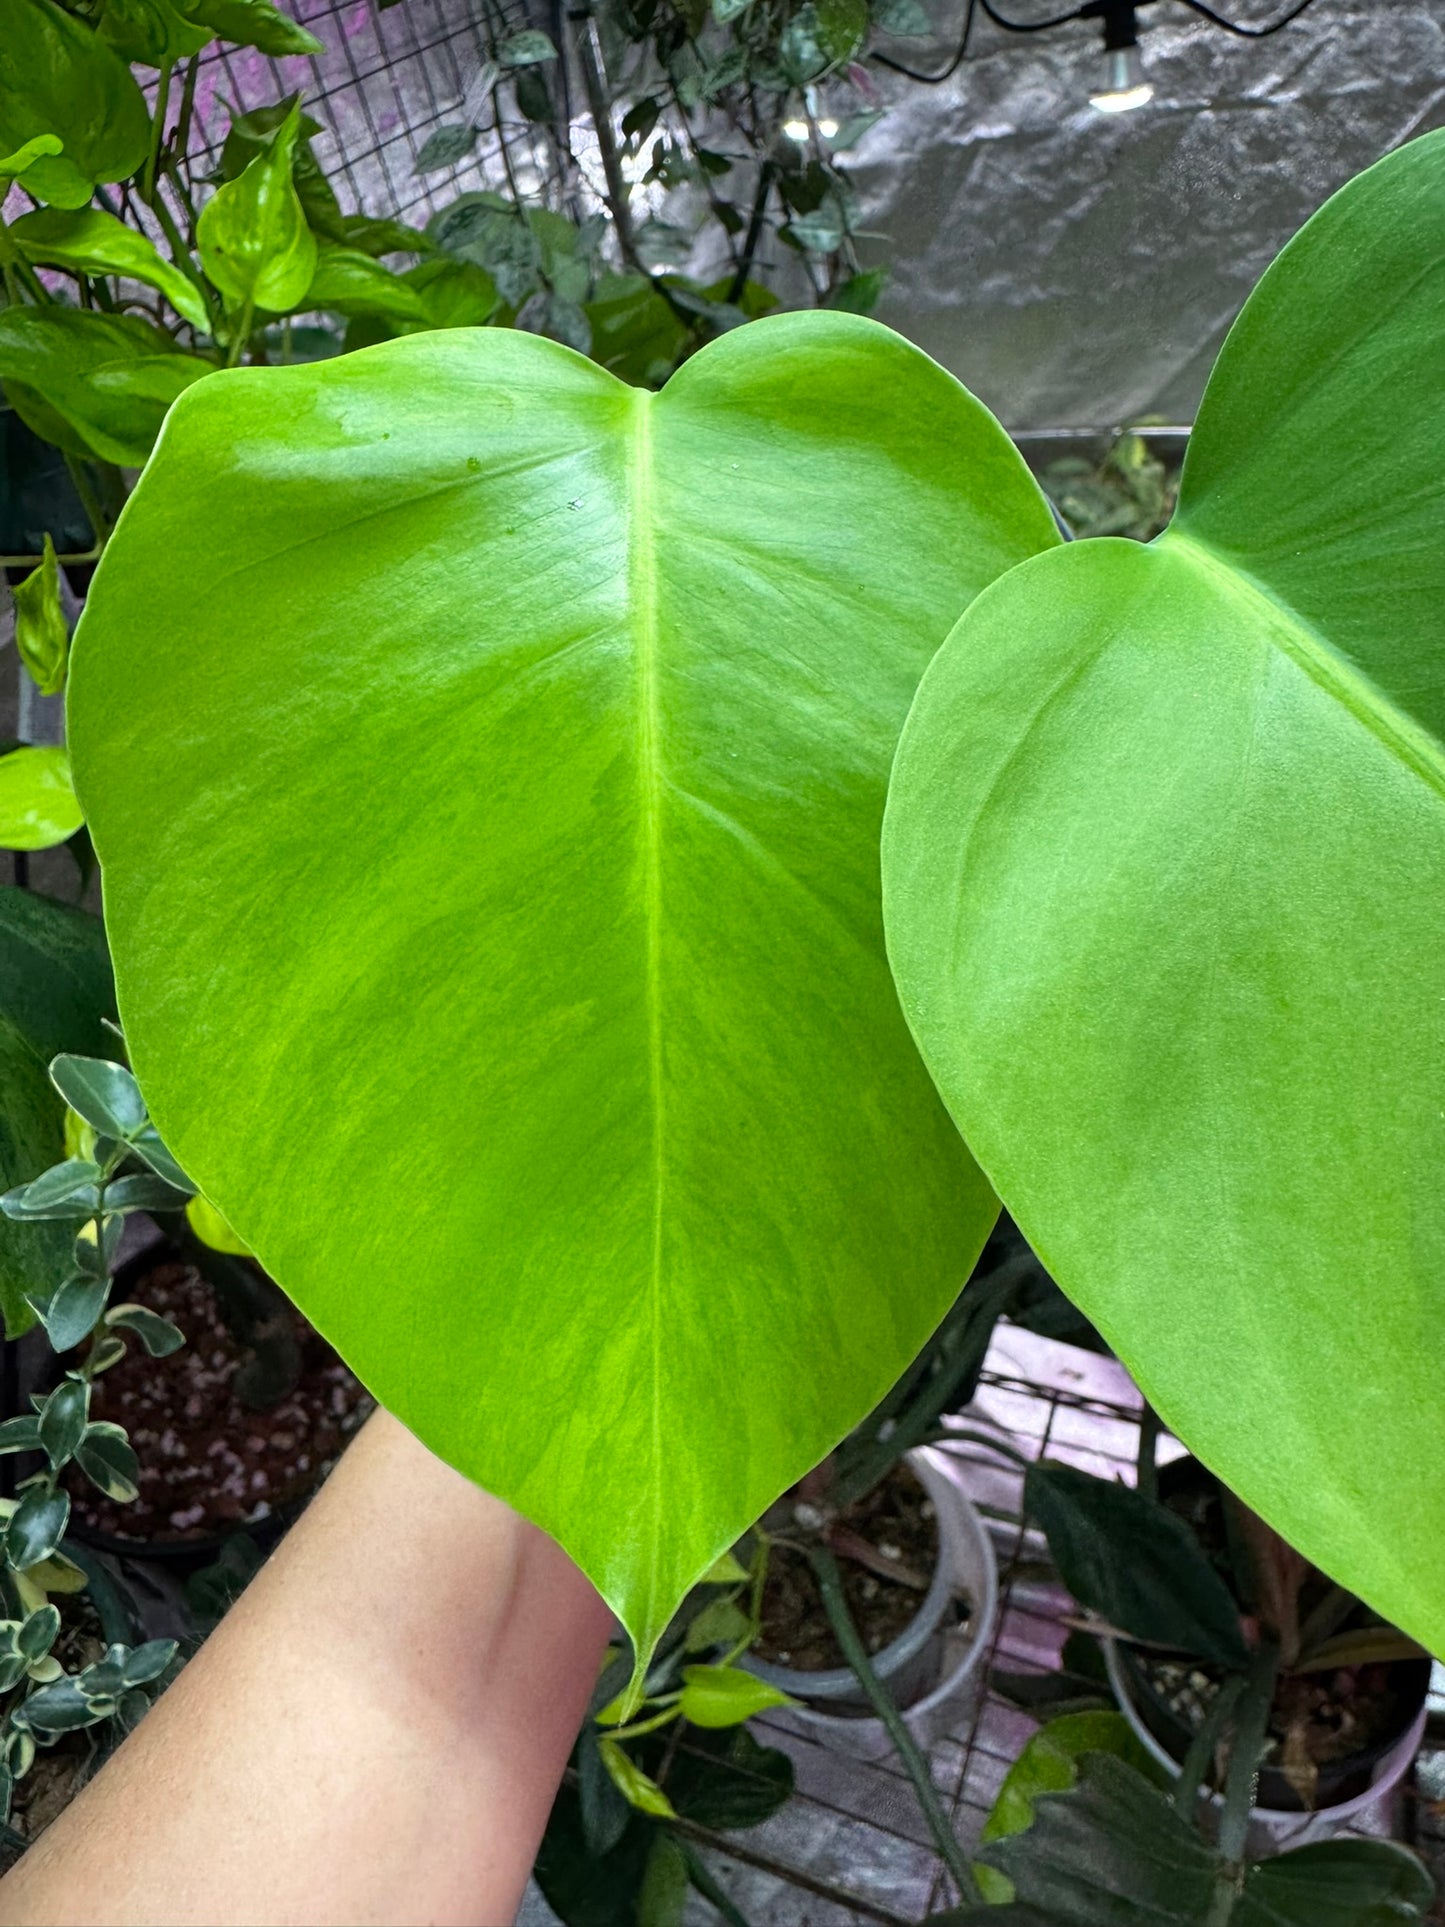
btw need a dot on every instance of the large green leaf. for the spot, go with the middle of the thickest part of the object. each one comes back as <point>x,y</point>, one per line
<point>1165,881</point>
<point>1114,1852</point>
<point>58,77</point>
<point>55,988</point>
<point>94,384</point>
<point>504,847</point>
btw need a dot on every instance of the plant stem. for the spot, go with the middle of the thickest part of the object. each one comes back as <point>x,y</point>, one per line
<point>158,131</point>
<point>835,1605</point>
<point>639,1727</point>
<point>1201,1747</point>
<point>755,232</point>
<point>89,500</point>
<point>594,80</point>
<point>181,255</point>
<point>1250,1724</point>
<point>242,334</point>
<point>1147,1477</point>
<point>188,102</point>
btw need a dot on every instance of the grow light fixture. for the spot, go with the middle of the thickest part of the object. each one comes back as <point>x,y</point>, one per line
<point>1125,87</point>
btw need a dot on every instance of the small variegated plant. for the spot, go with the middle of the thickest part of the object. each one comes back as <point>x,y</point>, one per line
<point>117,1165</point>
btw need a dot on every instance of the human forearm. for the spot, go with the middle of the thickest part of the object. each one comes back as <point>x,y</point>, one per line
<point>373,1735</point>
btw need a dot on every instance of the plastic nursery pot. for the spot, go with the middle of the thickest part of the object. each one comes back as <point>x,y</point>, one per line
<point>932,1666</point>
<point>1369,1776</point>
<point>1346,1786</point>
<point>189,1550</point>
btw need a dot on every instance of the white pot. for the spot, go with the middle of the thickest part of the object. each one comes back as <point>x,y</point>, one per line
<point>940,1661</point>
<point>1273,1829</point>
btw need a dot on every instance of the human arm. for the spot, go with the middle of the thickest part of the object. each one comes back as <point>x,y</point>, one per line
<point>374,1733</point>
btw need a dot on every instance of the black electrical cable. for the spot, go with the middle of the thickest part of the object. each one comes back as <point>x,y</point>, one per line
<point>1086,12</point>
<point>932,80</point>
<point>1030,26</point>
<point>1092,9</point>
<point>1247,33</point>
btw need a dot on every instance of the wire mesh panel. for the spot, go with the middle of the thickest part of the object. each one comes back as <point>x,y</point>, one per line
<point>386,80</point>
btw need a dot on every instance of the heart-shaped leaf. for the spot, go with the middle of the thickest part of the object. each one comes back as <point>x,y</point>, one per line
<point>58,77</point>
<point>253,238</point>
<point>1165,881</point>
<point>505,846</point>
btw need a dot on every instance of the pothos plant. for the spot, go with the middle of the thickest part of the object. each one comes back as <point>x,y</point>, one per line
<point>727,123</point>
<point>121,1167</point>
<point>133,275</point>
<point>522,737</point>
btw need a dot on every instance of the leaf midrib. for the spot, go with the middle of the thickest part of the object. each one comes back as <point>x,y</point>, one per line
<point>1313,652</point>
<point>642,599</point>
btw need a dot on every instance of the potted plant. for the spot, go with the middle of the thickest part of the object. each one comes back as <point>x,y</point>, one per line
<point>1194,1595</point>
<point>74,1673</point>
<point>623,781</point>
<point>254,1414</point>
<point>889,1513</point>
<point>1083,1832</point>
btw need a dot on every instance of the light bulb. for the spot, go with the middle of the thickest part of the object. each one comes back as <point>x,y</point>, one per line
<point>1125,87</point>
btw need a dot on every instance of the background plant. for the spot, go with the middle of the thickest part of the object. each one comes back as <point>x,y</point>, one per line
<point>120,1167</point>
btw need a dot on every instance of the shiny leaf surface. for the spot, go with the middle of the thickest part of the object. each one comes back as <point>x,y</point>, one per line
<point>570,909</point>
<point>1164,872</point>
<point>254,242</point>
<point>58,77</point>
<point>38,808</point>
<point>94,384</point>
<point>89,241</point>
<point>42,635</point>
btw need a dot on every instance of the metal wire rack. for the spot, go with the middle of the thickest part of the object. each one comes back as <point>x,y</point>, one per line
<point>851,1848</point>
<point>387,78</point>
